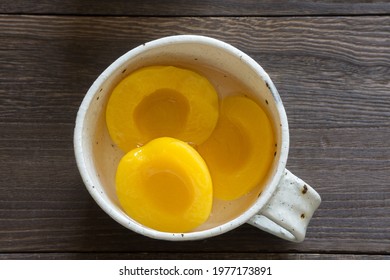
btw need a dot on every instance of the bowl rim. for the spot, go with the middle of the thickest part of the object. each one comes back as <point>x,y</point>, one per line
<point>133,225</point>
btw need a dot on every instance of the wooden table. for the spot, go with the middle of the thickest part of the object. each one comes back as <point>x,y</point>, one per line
<point>330,61</point>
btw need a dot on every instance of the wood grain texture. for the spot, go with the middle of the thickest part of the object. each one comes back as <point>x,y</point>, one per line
<point>331,72</point>
<point>187,256</point>
<point>196,8</point>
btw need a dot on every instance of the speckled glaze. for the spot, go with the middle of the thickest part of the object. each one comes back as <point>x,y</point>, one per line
<point>283,207</point>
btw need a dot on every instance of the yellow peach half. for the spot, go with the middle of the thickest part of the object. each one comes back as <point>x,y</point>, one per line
<point>158,101</point>
<point>165,185</point>
<point>241,149</point>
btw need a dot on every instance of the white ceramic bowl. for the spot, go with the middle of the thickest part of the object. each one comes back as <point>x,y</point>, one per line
<point>97,156</point>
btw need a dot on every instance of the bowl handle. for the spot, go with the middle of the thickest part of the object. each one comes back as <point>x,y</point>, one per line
<point>289,210</point>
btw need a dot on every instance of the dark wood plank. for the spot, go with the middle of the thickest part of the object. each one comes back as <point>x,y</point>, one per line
<point>186,256</point>
<point>196,8</point>
<point>332,74</point>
